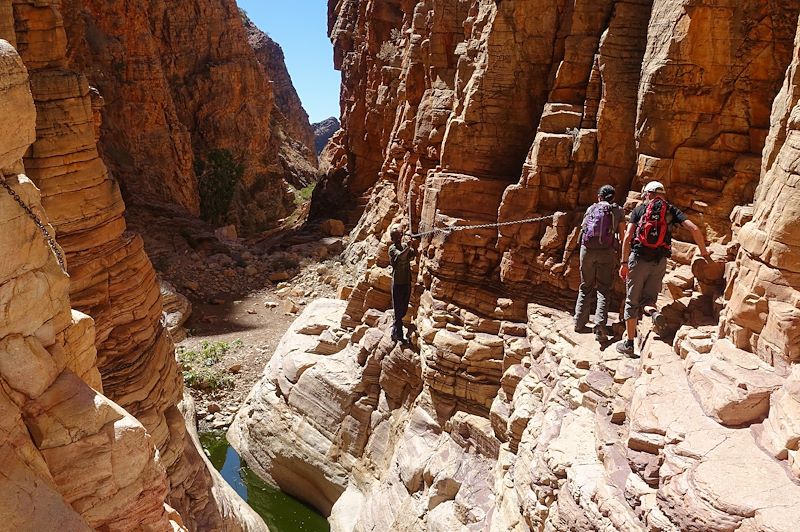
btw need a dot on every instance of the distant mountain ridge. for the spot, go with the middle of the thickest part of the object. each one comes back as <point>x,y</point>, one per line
<point>323,131</point>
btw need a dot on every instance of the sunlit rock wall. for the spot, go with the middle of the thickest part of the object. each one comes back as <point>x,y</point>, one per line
<point>70,456</point>
<point>111,278</point>
<point>497,416</point>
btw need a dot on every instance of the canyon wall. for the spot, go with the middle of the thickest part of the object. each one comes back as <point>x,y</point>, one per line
<point>188,101</point>
<point>496,416</point>
<point>111,280</point>
<point>70,455</point>
<point>289,121</point>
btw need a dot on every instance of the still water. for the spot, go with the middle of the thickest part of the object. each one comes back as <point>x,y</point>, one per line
<point>281,512</point>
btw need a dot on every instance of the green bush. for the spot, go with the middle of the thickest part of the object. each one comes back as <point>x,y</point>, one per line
<point>197,364</point>
<point>304,194</point>
<point>217,176</point>
<point>207,379</point>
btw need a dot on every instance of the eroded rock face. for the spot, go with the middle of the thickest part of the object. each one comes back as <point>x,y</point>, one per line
<point>70,455</point>
<point>111,280</point>
<point>323,131</point>
<point>296,145</point>
<point>763,313</point>
<point>497,416</point>
<point>181,83</point>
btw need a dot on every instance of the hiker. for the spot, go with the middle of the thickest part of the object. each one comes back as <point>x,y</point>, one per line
<point>645,249</point>
<point>400,258</point>
<point>601,231</point>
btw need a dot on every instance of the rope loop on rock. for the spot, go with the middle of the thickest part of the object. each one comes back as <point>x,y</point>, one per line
<point>48,238</point>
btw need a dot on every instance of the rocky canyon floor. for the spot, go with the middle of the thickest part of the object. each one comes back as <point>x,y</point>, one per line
<point>230,300</point>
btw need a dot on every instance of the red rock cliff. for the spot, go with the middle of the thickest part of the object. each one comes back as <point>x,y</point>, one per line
<point>496,416</point>
<point>180,83</point>
<point>111,278</point>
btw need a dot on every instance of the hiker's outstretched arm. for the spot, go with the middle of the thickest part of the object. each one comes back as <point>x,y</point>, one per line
<point>698,237</point>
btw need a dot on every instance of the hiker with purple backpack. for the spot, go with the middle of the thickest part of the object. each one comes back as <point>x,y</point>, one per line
<point>602,224</point>
<point>645,249</point>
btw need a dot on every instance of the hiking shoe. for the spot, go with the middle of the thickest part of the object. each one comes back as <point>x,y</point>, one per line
<point>581,329</point>
<point>625,347</point>
<point>658,319</point>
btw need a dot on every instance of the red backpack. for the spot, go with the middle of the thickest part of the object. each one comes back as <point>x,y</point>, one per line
<point>651,232</point>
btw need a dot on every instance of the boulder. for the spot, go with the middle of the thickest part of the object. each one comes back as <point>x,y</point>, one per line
<point>332,227</point>
<point>732,385</point>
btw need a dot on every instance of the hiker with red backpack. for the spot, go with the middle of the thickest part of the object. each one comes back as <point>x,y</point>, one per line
<point>602,224</point>
<point>645,249</point>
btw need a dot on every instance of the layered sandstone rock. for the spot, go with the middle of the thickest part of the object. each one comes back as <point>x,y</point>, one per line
<point>70,455</point>
<point>181,84</point>
<point>111,278</point>
<point>763,308</point>
<point>583,93</point>
<point>497,416</point>
<point>294,135</point>
<point>574,436</point>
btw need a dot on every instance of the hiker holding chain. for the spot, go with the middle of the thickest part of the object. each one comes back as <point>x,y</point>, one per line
<point>400,256</point>
<point>645,249</point>
<point>603,224</point>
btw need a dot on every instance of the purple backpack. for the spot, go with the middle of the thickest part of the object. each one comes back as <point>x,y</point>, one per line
<point>598,226</point>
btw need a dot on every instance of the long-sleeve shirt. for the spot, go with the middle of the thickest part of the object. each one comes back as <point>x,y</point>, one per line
<point>400,259</point>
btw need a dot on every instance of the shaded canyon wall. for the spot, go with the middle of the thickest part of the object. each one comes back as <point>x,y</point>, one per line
<point>181,84</point>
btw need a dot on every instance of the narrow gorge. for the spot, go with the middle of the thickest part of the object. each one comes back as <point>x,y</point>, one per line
<point>146,142</point>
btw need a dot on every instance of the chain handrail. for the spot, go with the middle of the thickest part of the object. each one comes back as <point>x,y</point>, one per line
<point>453,228</point>
<point>48,238</point>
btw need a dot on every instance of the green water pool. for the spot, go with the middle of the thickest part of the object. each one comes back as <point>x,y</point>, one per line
<point>281,512</point>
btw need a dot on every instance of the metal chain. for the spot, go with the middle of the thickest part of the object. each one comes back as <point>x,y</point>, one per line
<point>48,238</point>
<point>448,230</point>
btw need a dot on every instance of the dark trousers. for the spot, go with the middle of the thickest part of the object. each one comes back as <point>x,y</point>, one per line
<point>597,273</point>
<point>401,295</point>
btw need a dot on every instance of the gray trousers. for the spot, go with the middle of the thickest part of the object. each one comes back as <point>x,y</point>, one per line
<point>645,278</point>
<point>597,273</point>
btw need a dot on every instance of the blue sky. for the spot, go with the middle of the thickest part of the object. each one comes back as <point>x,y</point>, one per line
<point>301,28</point>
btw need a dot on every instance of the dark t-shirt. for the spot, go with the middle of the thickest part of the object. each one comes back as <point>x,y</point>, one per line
<point>400,259</point>
<point>674,217</point>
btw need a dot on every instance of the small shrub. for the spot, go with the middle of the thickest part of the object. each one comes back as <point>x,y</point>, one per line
<point>391,47</point>
<point>304,194</point>
<point>217,176</point>
<point>207,379</point>
<point>388,51</point>
<point>197,364</point>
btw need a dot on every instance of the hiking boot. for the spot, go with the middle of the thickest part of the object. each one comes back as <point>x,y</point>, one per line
<point>581,329</point>
<point>625,347</point>
<point>600,333</point>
